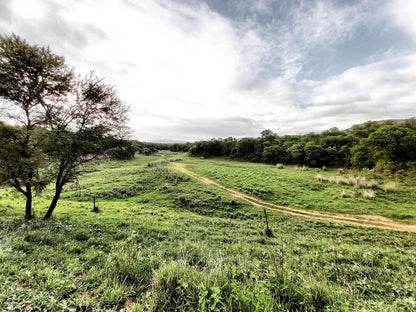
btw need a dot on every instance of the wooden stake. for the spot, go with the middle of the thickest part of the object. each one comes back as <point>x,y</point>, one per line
<point>94,209</point>
<point>265,216</point>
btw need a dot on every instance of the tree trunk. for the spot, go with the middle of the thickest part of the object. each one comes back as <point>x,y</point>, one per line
<point>28,214</point>
<point>54,201</point>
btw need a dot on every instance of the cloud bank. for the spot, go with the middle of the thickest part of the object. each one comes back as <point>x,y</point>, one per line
<point>195,70</point>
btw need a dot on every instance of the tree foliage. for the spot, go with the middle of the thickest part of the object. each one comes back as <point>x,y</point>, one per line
<point>30,78</point>
<point>385,145</point>
<point>63,119</point>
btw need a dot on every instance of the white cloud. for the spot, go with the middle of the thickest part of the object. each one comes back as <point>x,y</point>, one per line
<point>311,25</point>
<point>402,12</point>
<point>188,72</point>
<point>377,91</point>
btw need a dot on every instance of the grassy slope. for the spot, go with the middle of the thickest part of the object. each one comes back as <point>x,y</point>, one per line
<point>165,242</point>
<point>301,189</point>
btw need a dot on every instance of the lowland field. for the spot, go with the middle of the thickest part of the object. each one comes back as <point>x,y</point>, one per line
<point>189,234</point>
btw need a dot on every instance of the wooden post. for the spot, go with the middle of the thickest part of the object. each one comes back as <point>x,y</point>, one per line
<point>268,232</point>
<point>95,208</point>
<point>267,222</point>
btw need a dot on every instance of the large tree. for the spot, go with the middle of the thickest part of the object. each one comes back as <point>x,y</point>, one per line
<point>81,129</point>
<point>60,122</point>
<point>30,78</point>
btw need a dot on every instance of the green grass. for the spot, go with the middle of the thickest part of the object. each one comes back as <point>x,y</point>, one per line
<point>164,242</point>
<point>301,189</point>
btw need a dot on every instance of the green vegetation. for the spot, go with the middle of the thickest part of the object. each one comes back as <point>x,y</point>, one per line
<point>59,122</point>
<point>312,189</point>
<point>387,146</point>
<point>164,242</point>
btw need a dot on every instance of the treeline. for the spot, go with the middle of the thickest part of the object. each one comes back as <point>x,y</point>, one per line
<point>382,145</point>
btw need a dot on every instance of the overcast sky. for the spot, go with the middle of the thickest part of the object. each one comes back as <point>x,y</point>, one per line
<point>199,69</point>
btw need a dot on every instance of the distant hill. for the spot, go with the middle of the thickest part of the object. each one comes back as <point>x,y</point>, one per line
<point>168,141</point>
<point>394,121</point>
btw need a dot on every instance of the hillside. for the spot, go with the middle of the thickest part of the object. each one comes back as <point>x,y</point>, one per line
<point>164,241</point>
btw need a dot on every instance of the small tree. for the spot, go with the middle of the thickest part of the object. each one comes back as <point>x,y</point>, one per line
<point>30,77</point>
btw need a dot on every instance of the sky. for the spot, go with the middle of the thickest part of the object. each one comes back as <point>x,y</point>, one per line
<point>201,69</point>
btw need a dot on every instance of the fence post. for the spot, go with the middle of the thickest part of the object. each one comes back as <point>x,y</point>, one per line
<point>95,208</point>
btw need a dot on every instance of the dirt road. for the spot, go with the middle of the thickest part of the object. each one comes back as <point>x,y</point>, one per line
<point>356,220</point>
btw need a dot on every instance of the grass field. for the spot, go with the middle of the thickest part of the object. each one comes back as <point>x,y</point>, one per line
<point>302,189</point>
<point>163,241</point>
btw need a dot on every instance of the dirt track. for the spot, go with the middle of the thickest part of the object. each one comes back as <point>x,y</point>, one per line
<point>356,220</point>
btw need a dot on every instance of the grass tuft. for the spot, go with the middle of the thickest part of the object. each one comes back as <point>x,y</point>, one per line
<point>390,187</point>
<point>368,194</point>
<point>321,178</point>
<point>156,163</point>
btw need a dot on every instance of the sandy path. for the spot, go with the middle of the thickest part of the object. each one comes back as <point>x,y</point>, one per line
<point>356,220</point>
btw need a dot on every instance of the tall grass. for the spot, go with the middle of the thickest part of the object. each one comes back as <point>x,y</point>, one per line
<point>156,163</point>
<point>355,181</point>
<point>321,178</point>
<point>390,187</point>
<point>368,194</point>
<point>194,248</point>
